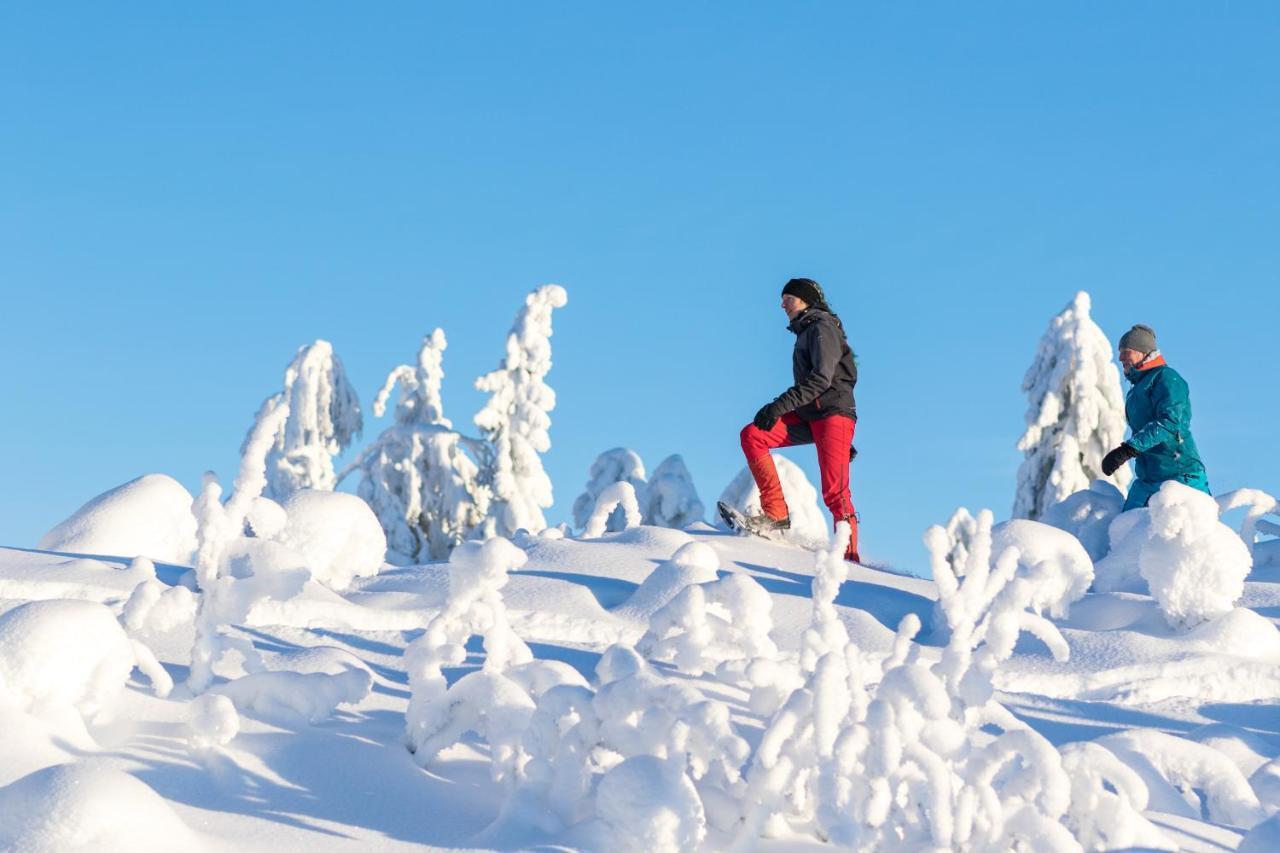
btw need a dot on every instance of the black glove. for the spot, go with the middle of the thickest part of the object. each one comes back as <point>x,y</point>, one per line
<point>767,417</point>
<point>1113,460</point>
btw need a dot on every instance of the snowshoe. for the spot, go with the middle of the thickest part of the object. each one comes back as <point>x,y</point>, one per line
<point>756,525</point>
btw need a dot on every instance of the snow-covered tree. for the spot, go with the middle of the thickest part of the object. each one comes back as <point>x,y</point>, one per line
<point>618,465</point>
<point>669,499</point>
<point>419,475</point>
<point>515,421</point>
<point>1076,413</point>
<point>324,418</point>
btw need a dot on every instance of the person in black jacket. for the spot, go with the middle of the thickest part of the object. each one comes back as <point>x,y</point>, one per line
<point>818,409</point>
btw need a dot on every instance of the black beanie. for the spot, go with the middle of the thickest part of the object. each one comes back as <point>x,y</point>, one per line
<point>808,290</point>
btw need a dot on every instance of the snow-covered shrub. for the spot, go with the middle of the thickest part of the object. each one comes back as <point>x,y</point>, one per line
<point>808,522</point>
<point>1054,561</point>
<point>1087,515</point>
<point>89,806</point>
<point>147,517</point>
<point>619,465</point>
<point>219,526</point>
<point>614,500</point>
<point>1107,800</point>
<point>1175,768</point>
<point>336,533</point>
<point>1118,571</point>
<point>890,753</point>
<point>1259,504</point>
<point>68,653</point>
<point>575,735</point>
<point>309,696</point>
<point>154,608</point>
<point>1075,416</point>
<point>515,421</point>
<point>1194,564</point>
<point>710,624</point>
<point>212,721</point>
<point>420,476</point>
<point>669,499</point>
<point>961,529</point>
<point>692,563</point>
<point>487,702</point>
<point>324,418</point>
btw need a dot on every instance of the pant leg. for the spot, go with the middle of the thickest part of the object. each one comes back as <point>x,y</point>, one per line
<point>833,436</point>
<point>790,430</point>
<point>1140,493</point>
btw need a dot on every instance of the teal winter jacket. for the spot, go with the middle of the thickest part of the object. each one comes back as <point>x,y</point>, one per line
<point>1158,410</point>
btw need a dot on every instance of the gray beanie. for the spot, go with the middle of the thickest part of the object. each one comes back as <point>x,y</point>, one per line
<point>1139,339</point>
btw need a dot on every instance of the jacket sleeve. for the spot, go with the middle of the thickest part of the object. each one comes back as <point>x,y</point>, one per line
<point>824,355</point>
<point>1172,404</point>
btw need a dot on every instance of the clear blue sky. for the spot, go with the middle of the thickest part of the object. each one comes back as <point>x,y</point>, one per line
<point>188,193</point>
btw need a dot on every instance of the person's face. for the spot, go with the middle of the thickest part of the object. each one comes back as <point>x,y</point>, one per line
<point>1130,358</point>
<point>793,305</point>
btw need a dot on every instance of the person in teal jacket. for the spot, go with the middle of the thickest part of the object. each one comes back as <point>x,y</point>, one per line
<point>1158,410</point>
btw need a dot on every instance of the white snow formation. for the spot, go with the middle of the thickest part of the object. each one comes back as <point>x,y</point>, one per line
<point>614,500</point>
<point>692,563</point>
<point>809,523</point>
<point>1075,416</point>
<point>212,721</point>
<point>516,419</point>
<point>1087,515</point>
<point>1054,561</point>
<point>324,418</point>
<point>89,806</point>
<point>421,476</point>
<point>669,498</point>
<point>337,535</point>
<point>148,517</point>
<point>70,654</point>
<point>619,465</point>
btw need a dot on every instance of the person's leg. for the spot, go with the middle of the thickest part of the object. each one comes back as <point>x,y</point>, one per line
<point>756,444</point>
<point>833,437</point>
<point>1140,493</point>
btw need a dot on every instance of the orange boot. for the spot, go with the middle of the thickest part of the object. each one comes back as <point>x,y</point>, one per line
<point>851,553</point>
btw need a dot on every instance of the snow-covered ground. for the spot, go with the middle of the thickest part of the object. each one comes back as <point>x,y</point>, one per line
<point>305,749</point>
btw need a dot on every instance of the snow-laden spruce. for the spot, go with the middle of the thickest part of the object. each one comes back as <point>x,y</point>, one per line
<point>1075,416</point>
<point>324,418</point>
<point>670,499</point>
<point>420,475</point>
<point>516,420</point>
<point>619,465</point>
<point>667,499</point>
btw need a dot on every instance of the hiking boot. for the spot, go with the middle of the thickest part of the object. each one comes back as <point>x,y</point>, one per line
<point>758,525</point>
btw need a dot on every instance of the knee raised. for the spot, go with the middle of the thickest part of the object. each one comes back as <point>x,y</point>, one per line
<point>750,437</point>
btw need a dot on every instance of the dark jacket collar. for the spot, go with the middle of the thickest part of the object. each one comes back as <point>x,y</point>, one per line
<point>806,318</point>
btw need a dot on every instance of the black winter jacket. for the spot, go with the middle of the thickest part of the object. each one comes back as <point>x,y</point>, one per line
<point>823,367</point>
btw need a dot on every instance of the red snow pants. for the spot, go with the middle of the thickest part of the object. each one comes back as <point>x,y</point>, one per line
<point>832,435</point>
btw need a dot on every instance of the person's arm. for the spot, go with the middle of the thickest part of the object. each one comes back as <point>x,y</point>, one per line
<point>824,355</point>
<point>1172,403</point>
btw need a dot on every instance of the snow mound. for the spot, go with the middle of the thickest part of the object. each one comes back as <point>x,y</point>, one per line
<point>650,806</point>
<point>311,696</point>
<point>1087,515</point>
<point>694,563</point>
<point>1055,563</point>
<point>808,522</point>
<point>147,517</point>
<point>1194,564</point>
<point>337,533</point>
<point>69,653</point>
<point>88,807</point>
<point>213,721</point>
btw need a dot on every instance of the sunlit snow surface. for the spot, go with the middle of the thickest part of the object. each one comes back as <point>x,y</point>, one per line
<point>279,769</point>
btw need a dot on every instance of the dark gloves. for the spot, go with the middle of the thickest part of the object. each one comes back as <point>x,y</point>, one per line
<point>1113,460</point>
<point>767,417</point>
